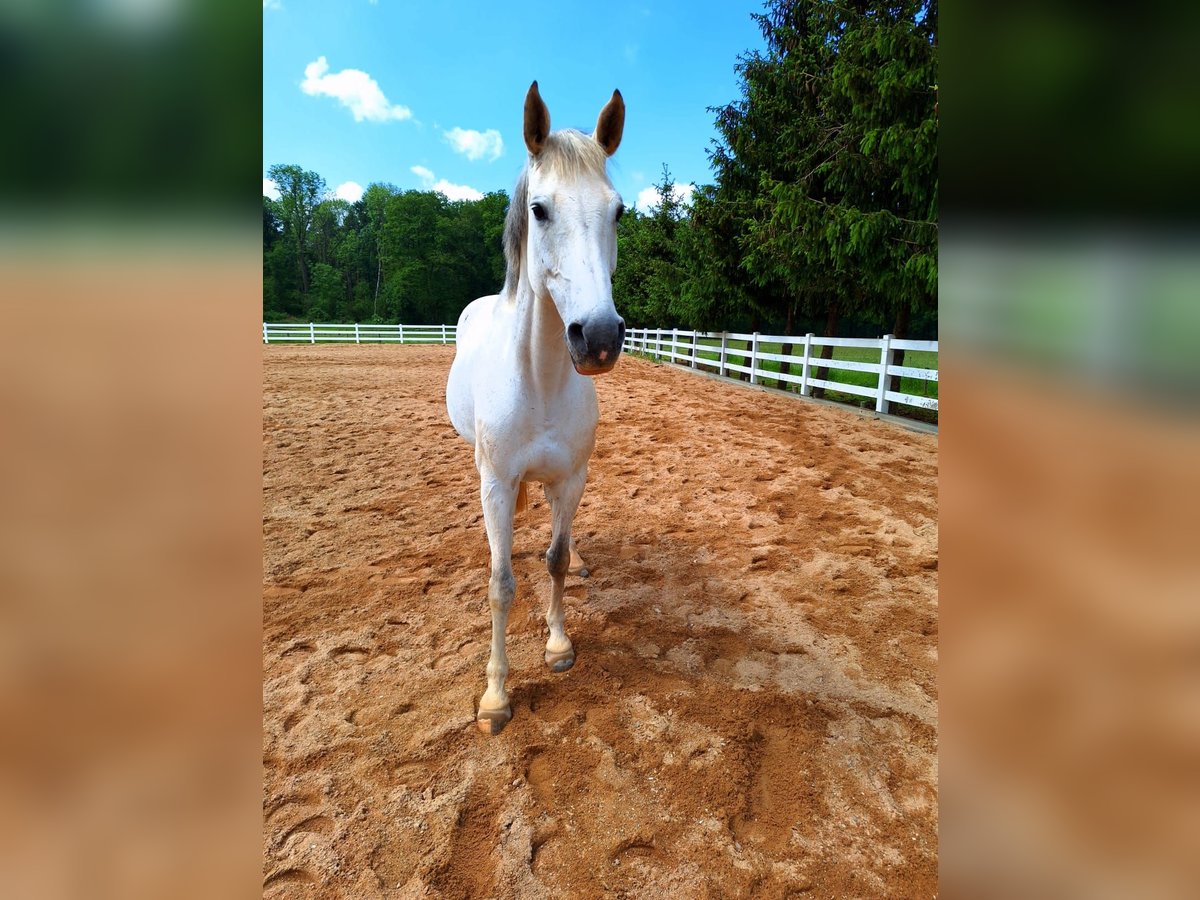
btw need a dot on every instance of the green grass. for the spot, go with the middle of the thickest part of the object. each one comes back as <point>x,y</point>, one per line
<point>916,386</point>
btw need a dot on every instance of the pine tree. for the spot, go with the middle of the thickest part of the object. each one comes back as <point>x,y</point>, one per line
<point>826,194</point>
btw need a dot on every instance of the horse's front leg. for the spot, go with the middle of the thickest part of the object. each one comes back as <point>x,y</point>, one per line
<point>577,566</point>
<point>499,502</point>
<point>564,499</point>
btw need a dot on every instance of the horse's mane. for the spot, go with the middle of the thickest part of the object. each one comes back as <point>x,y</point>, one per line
<point>567,154</point>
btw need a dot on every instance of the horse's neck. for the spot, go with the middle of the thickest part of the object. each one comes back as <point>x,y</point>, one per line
<point>542,350</point>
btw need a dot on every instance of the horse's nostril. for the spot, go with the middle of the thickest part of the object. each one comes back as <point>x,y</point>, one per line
<point>620,334</point>
<point>575,334</point>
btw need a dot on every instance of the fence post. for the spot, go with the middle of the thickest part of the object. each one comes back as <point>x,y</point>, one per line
<point>754,359</point>
<point>885,359</point>
<point>356,339</point>
<point>674,345</point>
<point>695,346</point>
<point>805,388</point>
<point>724,347</point>
<point>400,328</point>
<point>266,335</point>
<point>312,333</point>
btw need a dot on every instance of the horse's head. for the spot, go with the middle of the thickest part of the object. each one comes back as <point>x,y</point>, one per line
<point>571,222</point>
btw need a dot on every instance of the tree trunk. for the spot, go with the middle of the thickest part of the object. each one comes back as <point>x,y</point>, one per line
<point>831,322</point>
<point>378,275</point>
<point>785,368</point>
<point>900,330</point>
<point>303,270</point>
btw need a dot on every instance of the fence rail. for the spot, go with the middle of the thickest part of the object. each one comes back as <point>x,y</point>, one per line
<point>324,332</point>
<point>716,351</point>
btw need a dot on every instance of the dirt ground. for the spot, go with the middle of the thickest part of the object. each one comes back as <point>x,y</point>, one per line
<point>753,710</point>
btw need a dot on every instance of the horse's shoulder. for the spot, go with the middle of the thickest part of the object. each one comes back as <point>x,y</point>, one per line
<point>479,315</point>
<point>475,307</point>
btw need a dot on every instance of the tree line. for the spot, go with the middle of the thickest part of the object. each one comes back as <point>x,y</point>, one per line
<point>822,215</point>
<point>392,256</point>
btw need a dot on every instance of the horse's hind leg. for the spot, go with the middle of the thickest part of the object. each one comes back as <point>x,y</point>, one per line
<point>564,500</point>
<point>499,500</point>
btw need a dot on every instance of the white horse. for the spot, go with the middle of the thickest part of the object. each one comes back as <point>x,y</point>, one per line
<point>518,391</point>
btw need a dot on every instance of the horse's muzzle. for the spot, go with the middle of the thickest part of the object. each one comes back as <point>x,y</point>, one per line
<point>595,344</point>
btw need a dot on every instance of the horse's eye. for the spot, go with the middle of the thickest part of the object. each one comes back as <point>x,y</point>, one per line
<point>620,211</point>
<point>539,211</point>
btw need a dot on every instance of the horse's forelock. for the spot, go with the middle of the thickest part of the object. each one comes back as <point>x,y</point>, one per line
<point>565,154</point>
<point>570,154</point>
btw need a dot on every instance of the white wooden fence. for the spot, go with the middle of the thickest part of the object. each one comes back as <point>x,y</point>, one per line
<point>715,351</point>
<point>321,332</point>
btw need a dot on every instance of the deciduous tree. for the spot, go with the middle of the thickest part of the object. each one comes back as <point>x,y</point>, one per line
<point>300,191</point>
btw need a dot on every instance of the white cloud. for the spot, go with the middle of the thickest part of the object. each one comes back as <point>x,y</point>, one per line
<point>476,144</point>
<point>272,4</point>
<point>649,198</point>
<point>270,189</point>
<point>350,191</point>
<point>355,90</point>
<point>446,188</point>
<point>457,191</point>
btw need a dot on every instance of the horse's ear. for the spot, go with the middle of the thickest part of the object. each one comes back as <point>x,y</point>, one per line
<point>611,123</point>
<point>537,121</point>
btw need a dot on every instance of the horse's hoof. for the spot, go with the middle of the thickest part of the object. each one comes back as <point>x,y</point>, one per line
<point>560,662</point>
<point>582,572</point>
<point>492,721</point>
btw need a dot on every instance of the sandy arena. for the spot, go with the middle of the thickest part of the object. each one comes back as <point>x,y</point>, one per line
<point>753,710</point>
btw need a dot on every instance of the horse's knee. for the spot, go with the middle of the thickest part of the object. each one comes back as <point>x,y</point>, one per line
<point>501,590</point>
<point>558,558</point>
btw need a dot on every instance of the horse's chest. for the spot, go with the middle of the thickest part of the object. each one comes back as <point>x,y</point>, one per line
<point>554,450</point>
<point>539,447</point>
<point>538,439</point>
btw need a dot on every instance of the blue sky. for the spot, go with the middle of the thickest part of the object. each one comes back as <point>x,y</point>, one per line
<point>423,94</point>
